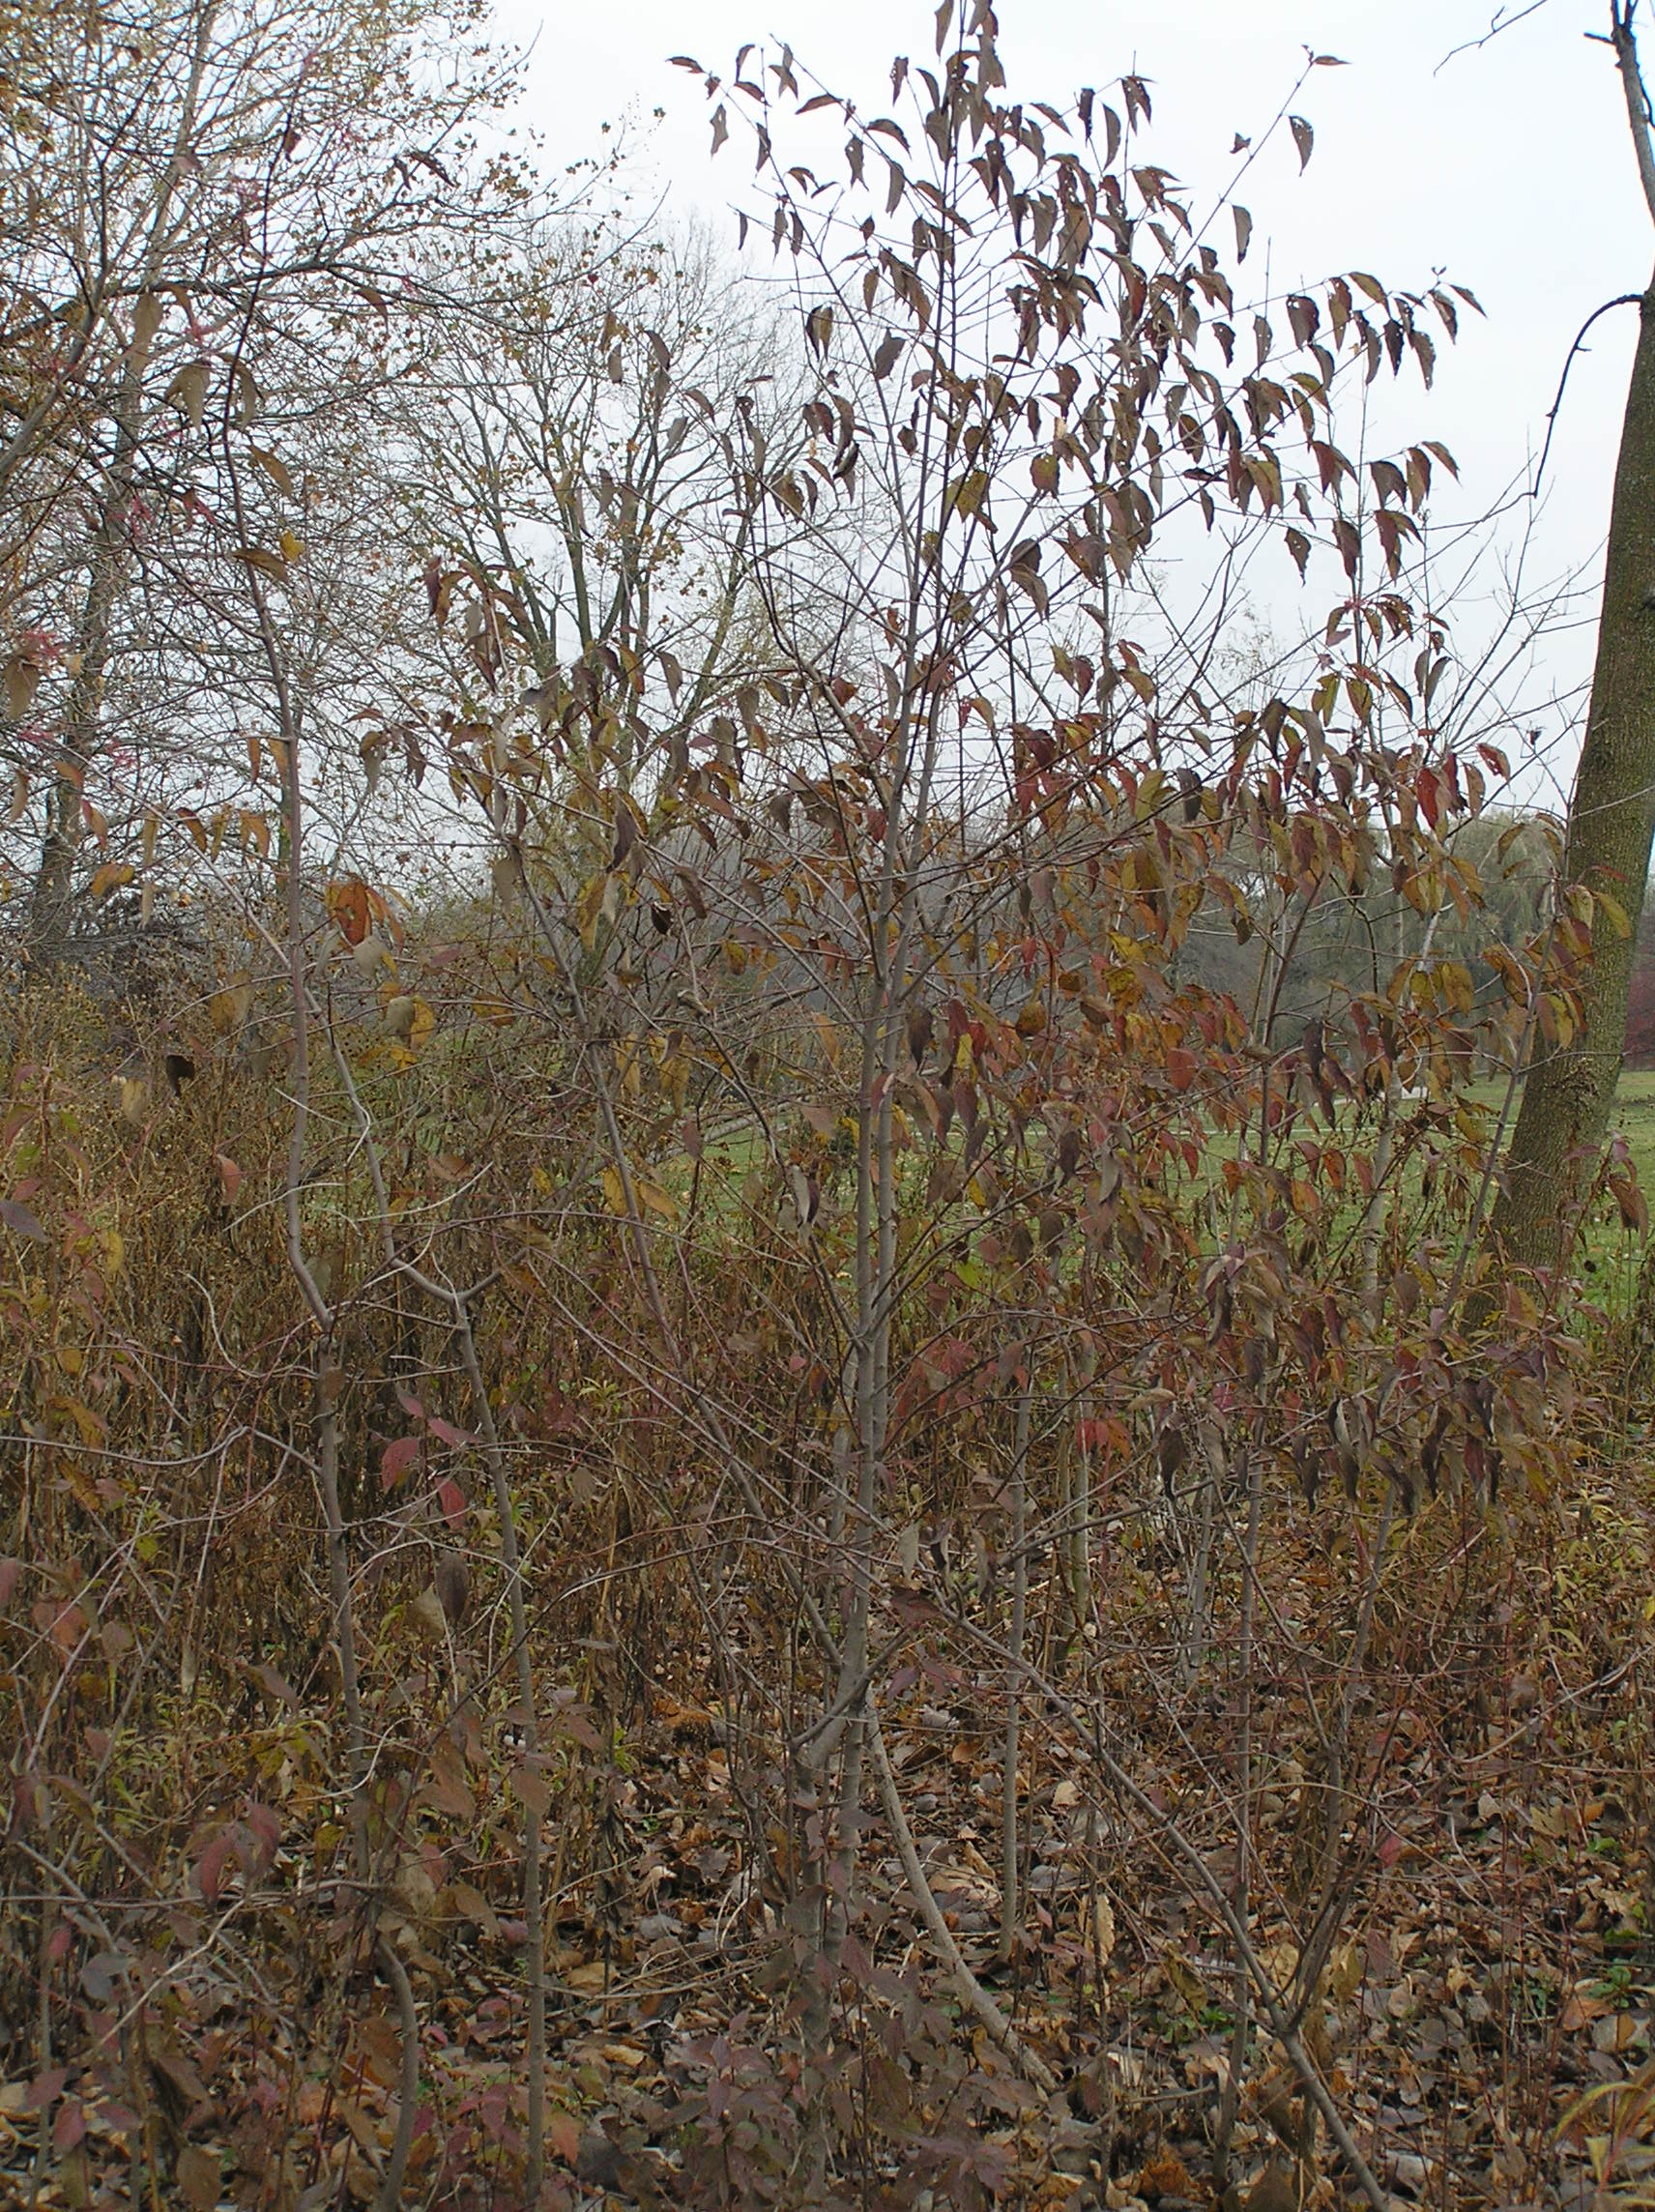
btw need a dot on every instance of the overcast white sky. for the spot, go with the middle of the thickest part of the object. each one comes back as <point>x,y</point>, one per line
<point>1509,169</point>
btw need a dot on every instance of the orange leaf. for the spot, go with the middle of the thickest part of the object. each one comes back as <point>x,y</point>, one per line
<point>349,908</point>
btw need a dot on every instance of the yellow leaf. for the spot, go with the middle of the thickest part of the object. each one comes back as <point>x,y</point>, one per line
<point>969,492</point>
<point>1185,1980</point>
<point>589,906</point>
<point>1615,912</point>
<point>91,1430</point>
<point>1454,979</point>
<point>112,876</point>
<point>291,547</point>
<point>1346,1969</point>
<point>230,1007</point>
<point>658,1200</point>
<point>1102,1929</point>
<point>261,558</point>
<point>277,470</point>
<point>614,1190</point>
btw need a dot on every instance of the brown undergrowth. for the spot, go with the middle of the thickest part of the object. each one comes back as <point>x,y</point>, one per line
<point>190,1999</point>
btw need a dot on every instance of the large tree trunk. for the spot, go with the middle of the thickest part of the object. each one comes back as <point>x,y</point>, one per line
<point>1570,1090</point>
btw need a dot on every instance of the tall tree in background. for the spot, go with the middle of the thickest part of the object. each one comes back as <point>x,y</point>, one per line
<point>1570,1088</point>
<point>198,198</point>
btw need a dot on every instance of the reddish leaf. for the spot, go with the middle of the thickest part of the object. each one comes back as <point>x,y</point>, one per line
<point>400,1458</point>
<point>573,1722</point>
<point>262,1832</point>
<point>275,1686</point>
<point>64,1622</point>
<point>199,2178</point>
<point>532,1789</point>
<point>213,1862</point>
<point>70,2125</point>
<point>46,2089</point>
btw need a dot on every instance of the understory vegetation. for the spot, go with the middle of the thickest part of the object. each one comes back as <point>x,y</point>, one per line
<point>759,1441</point>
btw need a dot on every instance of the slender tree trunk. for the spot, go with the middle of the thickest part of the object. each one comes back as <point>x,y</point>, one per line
<point>1570,1090</point>
<point>111,542</point>
<point>1008,1899</point>
<point>54,880</point>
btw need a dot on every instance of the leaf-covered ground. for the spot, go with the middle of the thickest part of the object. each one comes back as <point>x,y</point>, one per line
<point>1483,2025</point>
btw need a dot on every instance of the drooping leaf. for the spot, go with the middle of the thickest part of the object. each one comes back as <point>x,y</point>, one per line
<point>275,468</point>
<point>20,677</point>
<point>267,563</point>
<point>188,390</point>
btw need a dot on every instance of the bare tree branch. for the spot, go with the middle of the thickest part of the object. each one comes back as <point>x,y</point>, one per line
<point>1624,41</point>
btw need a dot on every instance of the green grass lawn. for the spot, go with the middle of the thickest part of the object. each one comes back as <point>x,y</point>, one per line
<point>1635,1118</point>
<point>1613,1256</point>
<point>1611,1259</point>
